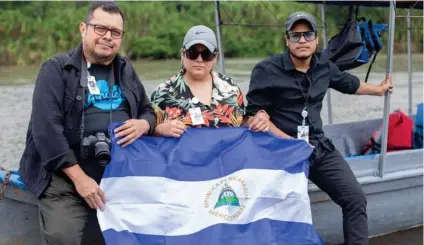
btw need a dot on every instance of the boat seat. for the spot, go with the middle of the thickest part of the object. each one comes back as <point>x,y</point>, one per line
<point>349,138</point>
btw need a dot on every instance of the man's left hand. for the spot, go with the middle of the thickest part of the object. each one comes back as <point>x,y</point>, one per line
<point>131,130</point>
<point>386,85</point>
<point>260,122</point>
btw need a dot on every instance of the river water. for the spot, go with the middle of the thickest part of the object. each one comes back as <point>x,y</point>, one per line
<point>17,83</point>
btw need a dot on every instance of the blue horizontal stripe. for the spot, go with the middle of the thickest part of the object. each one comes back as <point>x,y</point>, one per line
<point>208,153</point>
<point>263,232</point>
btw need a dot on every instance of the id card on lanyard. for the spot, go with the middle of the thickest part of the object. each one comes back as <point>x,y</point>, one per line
<point>91,80</point>
<point>196,114</point>
<point>92,85</point>
<point>303,130</point>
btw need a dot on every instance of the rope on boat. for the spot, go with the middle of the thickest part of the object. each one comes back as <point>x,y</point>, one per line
<point>5,182</point>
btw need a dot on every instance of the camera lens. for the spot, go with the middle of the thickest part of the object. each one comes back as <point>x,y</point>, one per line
<point>102,153</point>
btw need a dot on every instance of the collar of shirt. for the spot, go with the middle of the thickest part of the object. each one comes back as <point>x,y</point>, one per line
<point>317,59</point>
<point>222,87</point>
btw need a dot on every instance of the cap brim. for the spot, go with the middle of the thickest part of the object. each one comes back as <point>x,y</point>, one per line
<point>207,44</point>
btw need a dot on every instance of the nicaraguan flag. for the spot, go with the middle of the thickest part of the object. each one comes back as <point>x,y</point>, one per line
<point>225,186</point>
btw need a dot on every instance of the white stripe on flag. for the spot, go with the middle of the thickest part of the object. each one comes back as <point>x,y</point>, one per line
<point>161,206</point>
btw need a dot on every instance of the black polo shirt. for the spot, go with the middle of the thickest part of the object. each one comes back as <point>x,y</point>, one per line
<point>281,90</point>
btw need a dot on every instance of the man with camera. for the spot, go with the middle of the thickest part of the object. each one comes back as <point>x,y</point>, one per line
<point>76,96</point>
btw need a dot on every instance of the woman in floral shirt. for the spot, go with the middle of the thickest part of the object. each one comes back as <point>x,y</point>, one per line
<point>198,96</point>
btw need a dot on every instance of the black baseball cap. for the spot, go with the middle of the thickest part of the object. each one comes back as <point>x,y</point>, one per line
<point>295,17</point>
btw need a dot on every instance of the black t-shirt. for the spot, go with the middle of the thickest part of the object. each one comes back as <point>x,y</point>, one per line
<point>97,107</point>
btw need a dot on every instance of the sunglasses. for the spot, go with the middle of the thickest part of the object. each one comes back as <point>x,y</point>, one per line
<point>294,37</point>
<point>193,54</point>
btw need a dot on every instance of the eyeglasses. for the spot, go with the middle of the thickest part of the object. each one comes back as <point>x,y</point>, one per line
<point>294,37</point>
<point>193,53</point>
<point>102,30</point>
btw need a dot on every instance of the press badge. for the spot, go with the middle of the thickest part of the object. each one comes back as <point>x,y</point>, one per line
<point>196,116</point>
<point>303,130</point>
<point>92,85</point>
<point>303,133</point>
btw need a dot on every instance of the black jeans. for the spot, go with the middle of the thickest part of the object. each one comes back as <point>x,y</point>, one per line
<point>332,174</point>
<point>65,218</point>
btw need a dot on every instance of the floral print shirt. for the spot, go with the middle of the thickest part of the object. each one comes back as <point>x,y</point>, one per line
<point>173,98</point>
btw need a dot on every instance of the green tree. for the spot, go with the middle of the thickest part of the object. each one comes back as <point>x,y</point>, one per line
<point>34,31</point>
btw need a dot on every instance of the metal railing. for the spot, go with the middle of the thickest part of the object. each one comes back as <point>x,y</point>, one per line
<point>386,110</point>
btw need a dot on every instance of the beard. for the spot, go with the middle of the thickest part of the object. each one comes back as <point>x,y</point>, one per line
<point>299,57</point>
<point>100,56</point>
<point>97,57</point>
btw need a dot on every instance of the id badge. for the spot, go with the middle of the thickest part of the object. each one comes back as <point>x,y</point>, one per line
<point>92,85</point>
<point>196,116</point>
<point>303,133</point>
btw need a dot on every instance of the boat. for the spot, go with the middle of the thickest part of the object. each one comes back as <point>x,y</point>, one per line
<point>395,200</point>
<point>393,187</point>
<point>392,181</point>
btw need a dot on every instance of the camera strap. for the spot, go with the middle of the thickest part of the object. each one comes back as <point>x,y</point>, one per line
<point>84,82</point>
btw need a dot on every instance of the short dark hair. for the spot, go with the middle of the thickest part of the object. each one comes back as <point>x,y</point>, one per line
<point>107,6</point>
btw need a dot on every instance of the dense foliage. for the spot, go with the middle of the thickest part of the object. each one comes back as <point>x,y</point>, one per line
<point>33,31</point>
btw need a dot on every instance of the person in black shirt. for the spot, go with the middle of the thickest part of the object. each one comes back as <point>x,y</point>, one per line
<point>76,95</point>
<point>291,87</point>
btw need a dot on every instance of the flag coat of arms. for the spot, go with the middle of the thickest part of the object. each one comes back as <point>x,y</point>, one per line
<point>226,186</point>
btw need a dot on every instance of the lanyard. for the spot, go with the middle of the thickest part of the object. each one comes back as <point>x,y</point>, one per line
<point>304,112</point>
<point>84,83</point>
<point>85,74</point>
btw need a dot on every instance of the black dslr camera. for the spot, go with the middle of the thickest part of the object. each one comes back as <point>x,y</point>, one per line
<point>96,146</point>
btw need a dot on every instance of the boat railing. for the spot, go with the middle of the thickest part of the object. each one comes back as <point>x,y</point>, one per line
<point>391,28</point>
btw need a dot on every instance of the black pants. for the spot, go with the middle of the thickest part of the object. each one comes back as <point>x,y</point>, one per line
<point>65,218</point>
<point>332,174</point>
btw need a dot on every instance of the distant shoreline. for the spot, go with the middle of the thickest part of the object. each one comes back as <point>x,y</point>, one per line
<point>257,58</point>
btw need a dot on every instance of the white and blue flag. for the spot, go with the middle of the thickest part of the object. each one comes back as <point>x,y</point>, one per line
<point>225,186</point>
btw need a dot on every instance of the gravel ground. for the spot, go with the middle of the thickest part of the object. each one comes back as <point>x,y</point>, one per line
<point>15,107</point>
